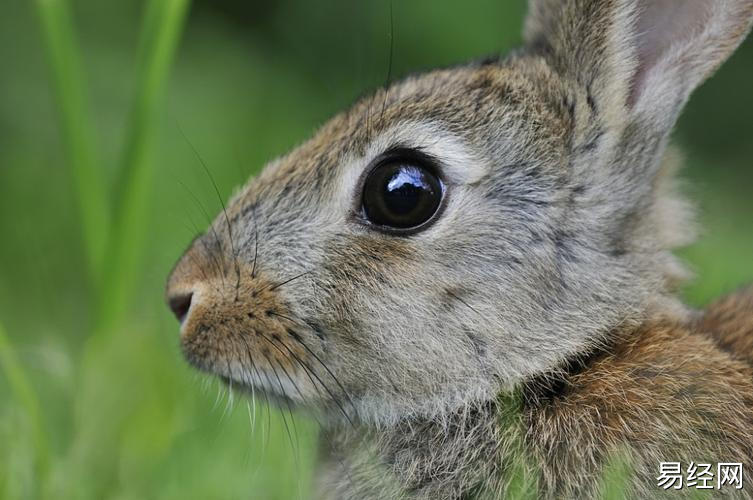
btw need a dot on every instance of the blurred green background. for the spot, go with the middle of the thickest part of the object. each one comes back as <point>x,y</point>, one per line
<point>95,399</point>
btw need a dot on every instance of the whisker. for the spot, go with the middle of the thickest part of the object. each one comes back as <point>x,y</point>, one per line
<point>196,264</point>
<point>287,375</point>
<point>217,398</point>
<point>303,397</point>
<point>210,227</point>
<point>256,240</point>
<point>454,296</point>
<point>287,402</point>
<point>265,437</point>
<point>219,197</point>
<point>278,285</point>
<point>313,414</point>
<point>282,413</point>
<point>274,313</point>
<point>298,339</point>
<point>308,370</point>
<point>230,404</point>
<point>251,416</point>
<point>389,65</point>
<point>205,383</point>
<point>229,401</point>
<point>193,257</point>
<point>302,364</point>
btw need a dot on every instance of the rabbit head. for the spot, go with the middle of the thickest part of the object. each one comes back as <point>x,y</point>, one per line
<point>462,229</point>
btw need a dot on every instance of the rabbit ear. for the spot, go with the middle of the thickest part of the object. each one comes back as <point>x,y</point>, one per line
<point>644,57</point>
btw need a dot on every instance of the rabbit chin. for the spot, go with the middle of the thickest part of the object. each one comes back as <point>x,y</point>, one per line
<point>373,408</point>
<point>262,392</point>
<point>379,411</point>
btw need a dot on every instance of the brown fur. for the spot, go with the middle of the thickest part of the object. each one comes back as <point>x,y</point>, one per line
<point>730,323</point>
<point>664,392</point>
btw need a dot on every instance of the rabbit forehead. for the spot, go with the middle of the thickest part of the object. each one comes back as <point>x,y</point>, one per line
<point>468,118</point>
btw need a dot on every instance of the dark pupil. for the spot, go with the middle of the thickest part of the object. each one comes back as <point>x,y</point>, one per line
<point>401,195</point>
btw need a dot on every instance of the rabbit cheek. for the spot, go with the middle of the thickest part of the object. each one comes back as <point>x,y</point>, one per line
<point>369,261</point>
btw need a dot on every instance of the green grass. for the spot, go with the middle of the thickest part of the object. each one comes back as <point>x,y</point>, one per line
<point>25,397</point>
<point>95,400</point>
<point>161,30</point>
<point>67,78</point>
<point>113,233</point>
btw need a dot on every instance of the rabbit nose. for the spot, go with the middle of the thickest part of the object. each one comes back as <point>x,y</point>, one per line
<point>180,304</point>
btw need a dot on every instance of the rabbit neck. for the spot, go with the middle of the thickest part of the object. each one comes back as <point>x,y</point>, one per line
<point>481,450</point>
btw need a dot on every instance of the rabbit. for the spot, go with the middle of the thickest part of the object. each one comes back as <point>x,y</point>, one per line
<point>468,278</point>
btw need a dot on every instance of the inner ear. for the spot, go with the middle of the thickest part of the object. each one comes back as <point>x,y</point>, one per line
<point>660,25</point>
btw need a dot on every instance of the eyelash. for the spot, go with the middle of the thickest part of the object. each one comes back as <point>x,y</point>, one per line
<point>399,152</point>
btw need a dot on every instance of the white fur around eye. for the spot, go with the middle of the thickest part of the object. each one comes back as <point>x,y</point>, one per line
<point>458,163</point>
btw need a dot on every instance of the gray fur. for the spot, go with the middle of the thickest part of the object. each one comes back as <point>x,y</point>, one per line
<point>556,238</point>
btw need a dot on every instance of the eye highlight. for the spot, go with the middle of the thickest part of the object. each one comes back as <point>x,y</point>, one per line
<point>402,193</point>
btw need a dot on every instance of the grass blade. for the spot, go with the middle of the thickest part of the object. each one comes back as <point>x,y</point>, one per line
<point>162,25</point>
<point>78,137</point>
<point>24,393</point>
<point>100,430</point>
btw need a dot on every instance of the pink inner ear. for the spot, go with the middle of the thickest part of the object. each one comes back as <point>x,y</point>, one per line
<point>661,25</point>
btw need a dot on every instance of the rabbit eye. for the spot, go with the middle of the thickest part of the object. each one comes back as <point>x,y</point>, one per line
<point>401,194</point>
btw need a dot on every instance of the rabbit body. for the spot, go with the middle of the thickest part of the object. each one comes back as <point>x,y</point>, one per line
<point>666,391</point>
<point>528,330</point>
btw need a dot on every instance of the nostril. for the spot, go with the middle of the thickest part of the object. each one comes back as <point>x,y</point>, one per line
<point>180,304</point>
